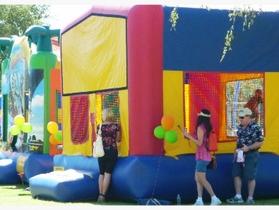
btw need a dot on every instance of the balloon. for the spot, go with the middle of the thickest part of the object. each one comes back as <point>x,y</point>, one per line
<point>159,132</point>
<point>52,127</point>
<point>167,122</point>
<point>171,136</point>
<point>19,120</point>
<point>53,140</point>
<point>26,127</point>
<point>15,130</point>
<point>58,136</point>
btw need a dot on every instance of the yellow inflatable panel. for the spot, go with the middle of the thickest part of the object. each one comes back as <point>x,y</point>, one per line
<point>94,55</point>
<point>173,93</point>
<point>271,98</point>
<point>68,147</point>
<point>123,149</point>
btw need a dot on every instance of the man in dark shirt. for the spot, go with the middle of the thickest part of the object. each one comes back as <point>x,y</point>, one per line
<point>249,140</point>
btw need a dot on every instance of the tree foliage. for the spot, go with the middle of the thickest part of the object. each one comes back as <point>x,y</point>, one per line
<point>247,16</point>
<point>173,18</point>
<point>15,19</point>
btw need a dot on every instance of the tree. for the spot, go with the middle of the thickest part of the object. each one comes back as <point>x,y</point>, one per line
<point>246,16</point>
<point>15,19</point>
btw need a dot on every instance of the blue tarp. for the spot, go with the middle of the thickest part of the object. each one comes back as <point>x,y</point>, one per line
<point>198,41</point>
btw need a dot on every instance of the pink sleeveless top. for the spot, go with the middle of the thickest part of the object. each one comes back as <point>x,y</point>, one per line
<point>202,153</point>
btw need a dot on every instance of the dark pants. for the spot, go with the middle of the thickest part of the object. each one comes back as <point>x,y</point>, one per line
<point>14,143</point>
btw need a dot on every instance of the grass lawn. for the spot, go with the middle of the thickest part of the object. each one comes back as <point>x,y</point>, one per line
<point>17,195</point>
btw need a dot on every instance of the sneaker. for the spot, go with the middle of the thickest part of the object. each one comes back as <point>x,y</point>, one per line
<point>235,200</point>
<point>250,202</point>
<point>215,201</point>
<point>198,203</point>
<point>101,198</point>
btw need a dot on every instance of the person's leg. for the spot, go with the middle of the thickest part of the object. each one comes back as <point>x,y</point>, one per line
<point>101,181</point>
<point>250,171</point>
<point>251,188</point>
<point>106,183</point>
<point>199,167</point>
<point>108,168</point>
<point>237,185</point>
<point>199,186</point>
<point>101,162</point>
<point>237,172</point>
<point>203,181</point>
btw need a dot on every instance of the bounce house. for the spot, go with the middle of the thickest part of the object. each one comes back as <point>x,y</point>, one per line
<point>132,61</point>
<point>23,98</point>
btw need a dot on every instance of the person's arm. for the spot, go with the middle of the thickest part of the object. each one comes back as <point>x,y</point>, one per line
<point>254,146</point>
<point>118,136</point>
<point>200,134</point>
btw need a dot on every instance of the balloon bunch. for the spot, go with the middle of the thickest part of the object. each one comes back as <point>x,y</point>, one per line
<point>164,131</point>
<point>20,126</point>
<point>56,135</point>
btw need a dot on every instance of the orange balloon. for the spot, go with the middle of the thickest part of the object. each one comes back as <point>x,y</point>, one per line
<point>167,122</point>
<point>53,140</point>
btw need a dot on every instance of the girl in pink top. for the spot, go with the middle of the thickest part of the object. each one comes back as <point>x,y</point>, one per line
<point>203,157</point>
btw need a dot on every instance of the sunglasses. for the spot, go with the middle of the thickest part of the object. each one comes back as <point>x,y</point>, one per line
<point>241,117</point>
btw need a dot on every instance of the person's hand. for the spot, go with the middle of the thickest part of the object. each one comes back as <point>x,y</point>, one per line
<point>184,131</point>
<point>245,148</point>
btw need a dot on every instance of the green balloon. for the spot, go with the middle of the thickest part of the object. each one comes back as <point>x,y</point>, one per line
<point>26,128</point>
<point>159,132</point>
<point>171,136</point>
<point>58,136</point>
<point>15,130</point>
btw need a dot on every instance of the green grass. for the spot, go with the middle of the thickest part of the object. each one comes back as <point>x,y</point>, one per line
<point>16,194</point>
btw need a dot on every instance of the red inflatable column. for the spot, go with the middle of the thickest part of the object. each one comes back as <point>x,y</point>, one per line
<point>145,74</point>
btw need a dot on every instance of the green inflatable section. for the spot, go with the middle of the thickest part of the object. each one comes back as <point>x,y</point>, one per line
<point>44,59</point>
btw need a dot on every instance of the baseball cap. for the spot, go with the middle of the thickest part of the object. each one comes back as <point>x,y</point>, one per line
<point>244,112</point>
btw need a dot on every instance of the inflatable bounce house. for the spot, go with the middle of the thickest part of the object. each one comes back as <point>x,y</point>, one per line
<point>131,61</point>
<point>25,110</point>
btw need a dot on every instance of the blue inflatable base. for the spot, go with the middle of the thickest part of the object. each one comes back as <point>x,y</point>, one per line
<point>34,164</point>
<point>78,181</point>
<point>69,185</point>
<point>8,173</point>
<point>140,178</point>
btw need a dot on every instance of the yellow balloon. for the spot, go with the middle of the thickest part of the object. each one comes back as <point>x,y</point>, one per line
<point>52,127</point>
<point>19,120</point>
<point>26,127</point>
<point>15,130</point>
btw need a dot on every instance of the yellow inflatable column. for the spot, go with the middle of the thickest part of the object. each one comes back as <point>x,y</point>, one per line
<point>173,99</point>
<point>271,99</point>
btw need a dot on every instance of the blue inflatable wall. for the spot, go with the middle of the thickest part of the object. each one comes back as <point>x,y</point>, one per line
<point>68,185</point>
<point>37,164</point>
<point>8,173</point>
<point>34,164</point>
<point>144,177</point>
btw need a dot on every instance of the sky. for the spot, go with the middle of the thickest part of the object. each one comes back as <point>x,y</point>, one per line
<point>64,12</point>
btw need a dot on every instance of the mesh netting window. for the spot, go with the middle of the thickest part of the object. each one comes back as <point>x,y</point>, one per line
<point>111,101</point>
<point>244,93</point>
